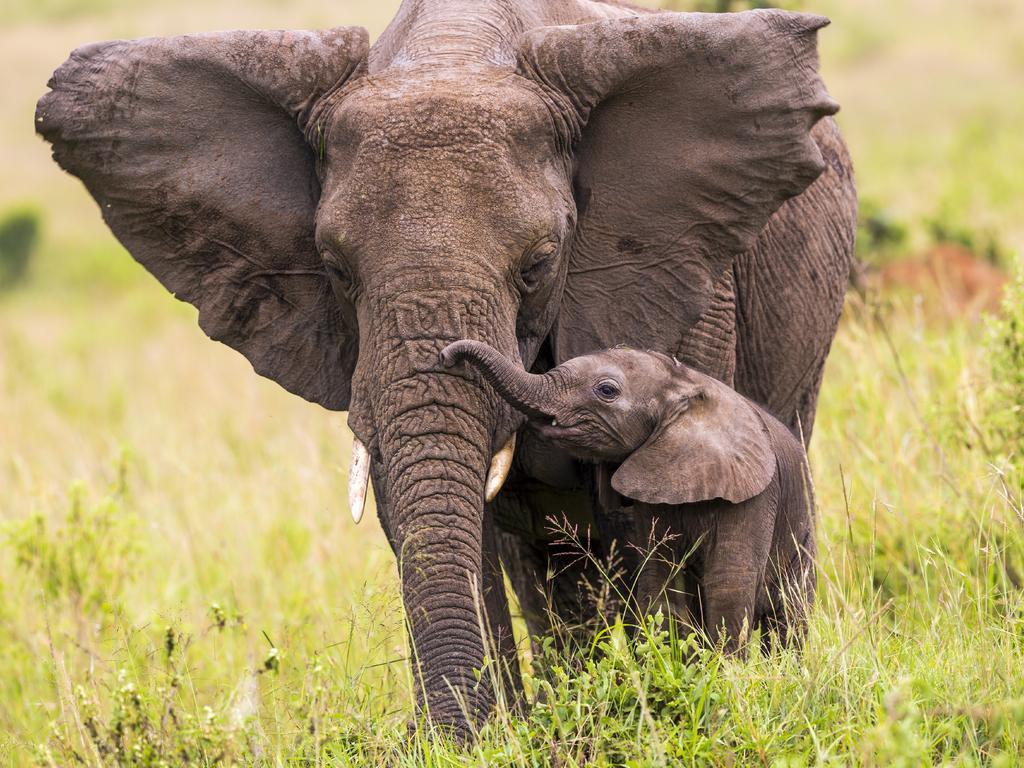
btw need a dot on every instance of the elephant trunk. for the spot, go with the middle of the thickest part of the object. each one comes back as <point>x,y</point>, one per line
<point>536,395</point>
<point>434,473</point>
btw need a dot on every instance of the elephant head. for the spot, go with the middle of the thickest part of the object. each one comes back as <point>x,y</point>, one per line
<point>680,436</point>
<point>338,214</point>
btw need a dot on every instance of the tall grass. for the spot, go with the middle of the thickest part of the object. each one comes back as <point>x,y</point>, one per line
<point>179,583</point>
<point>180,579</point>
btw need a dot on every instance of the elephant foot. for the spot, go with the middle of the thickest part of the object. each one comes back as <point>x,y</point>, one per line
<point>453,730</point>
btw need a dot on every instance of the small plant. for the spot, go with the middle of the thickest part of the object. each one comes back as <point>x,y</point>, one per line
<point>634,684</point>
<point>142,726</point>
<point>87,559</point>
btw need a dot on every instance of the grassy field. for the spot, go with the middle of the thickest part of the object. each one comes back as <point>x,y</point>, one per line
<point>180,581</point>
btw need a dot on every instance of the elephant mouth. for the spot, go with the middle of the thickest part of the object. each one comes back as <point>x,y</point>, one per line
<point>563,429</point>
<point>549,426</point>
<point>542,418</point>
<point>580,435</point>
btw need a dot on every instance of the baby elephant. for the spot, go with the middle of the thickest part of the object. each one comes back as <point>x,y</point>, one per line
<point>711,492</point>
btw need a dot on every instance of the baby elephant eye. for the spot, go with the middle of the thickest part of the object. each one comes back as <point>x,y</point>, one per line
<point>607,390</point>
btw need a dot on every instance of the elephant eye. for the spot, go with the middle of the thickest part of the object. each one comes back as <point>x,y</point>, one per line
<point>340,274</point>
<point>607,390</point>
<point>532,270</point>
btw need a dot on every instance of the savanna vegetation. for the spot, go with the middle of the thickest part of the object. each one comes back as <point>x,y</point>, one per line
<point>180,583</point>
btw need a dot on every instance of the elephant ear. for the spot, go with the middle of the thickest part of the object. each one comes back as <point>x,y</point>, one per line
<point>692,129</point>
<point>194,149</point>
<point>717,447</point>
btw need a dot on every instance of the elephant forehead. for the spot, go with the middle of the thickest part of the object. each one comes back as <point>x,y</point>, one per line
<point>424,111</point>
<point>418,323</point>
<point>640,363</point>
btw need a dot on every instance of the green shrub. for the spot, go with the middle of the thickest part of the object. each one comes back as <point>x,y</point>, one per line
<point>880,236</point>
<point>1006,395</point>
<point>944,228</point>
<point>604,704</point>
<point>147,724</point>
<point>19,236</point>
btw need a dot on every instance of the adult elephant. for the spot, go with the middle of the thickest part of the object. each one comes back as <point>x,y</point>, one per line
<point>548,176</point>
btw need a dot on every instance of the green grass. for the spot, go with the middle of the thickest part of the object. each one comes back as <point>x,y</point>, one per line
<point>179,578</point>
<point>156,489</point>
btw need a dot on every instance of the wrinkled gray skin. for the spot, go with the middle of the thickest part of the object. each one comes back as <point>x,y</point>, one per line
<point>548,176</point>
<point>709,491</point>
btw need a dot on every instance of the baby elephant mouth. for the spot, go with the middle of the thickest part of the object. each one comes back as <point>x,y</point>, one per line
<point>551,425</point>
<point>574,435</point>
<point>548,429</point>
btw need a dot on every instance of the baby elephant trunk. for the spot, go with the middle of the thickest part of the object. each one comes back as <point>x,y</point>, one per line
<point>535,395</point>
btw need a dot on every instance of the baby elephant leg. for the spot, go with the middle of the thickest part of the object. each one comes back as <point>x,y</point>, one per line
<point>789,594</point>
<point>734,569</point>
<point>655,569</point>
<point>728,606</point>
<point>647,574</point>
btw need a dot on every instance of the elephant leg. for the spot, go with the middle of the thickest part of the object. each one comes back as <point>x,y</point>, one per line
<point>552,563</point>
<point>651,568</point>
<point>651,572</point>
<point>501,639</point>
<point>783,623</point>
<point>790,288</point>
<point>620,556</point>
<point>554,589</point>
<point>789,595</point>
<point>636,550</point>
<point>686,601</point>
<point>734,567</point>
<point>652,589</point>
<point>729,596</point>
<point>521,556</point>
<point>524,563</point>
<point>578,593</point>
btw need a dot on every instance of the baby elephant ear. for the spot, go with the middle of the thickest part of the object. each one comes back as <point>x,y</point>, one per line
<point>718,448</point>
<point>194,149</point>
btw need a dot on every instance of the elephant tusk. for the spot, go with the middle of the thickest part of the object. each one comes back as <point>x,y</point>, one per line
<point>358,478</point>
<point>498,471</point>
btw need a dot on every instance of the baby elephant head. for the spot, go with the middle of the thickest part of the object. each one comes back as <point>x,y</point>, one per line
<point>681,436</point>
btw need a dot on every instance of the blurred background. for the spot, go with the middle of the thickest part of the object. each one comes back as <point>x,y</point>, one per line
<point>173,526</point>
<point>930,95</point>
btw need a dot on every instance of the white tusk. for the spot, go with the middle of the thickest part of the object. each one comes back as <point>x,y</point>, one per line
<point>358,478</point>
<point>498,472</point>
